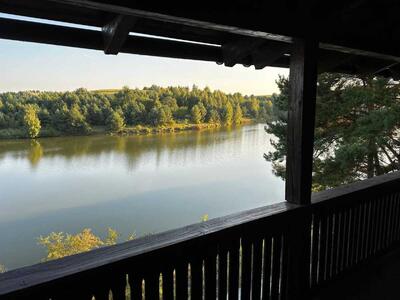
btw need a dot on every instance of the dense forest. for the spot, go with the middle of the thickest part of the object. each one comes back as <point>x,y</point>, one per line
<point>34,113</point>
<point>357,126</point>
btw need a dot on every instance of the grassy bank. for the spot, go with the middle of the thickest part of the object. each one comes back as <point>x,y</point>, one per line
<point>12,133</point>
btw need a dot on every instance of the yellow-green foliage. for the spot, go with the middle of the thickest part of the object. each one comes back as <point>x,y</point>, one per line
<point>2,269</point>
<point>31,122</point>
<point>59,244</point>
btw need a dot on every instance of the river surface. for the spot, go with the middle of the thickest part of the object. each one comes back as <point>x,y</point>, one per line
<point>137,184</point>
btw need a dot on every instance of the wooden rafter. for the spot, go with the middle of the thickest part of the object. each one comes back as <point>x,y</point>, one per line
<point>237,50</point>
<point>116,32</point>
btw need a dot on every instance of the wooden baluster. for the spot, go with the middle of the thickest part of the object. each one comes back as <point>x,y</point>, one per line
<point>365,229</point>
<point>284,292</point>
<point>136,284</point>
<point>182,281</point>
<point>397,218</point>
<point>210,273</point>
<point>322,247</point>
<point>222,273</point>
<point>329,244</point>
<point>246,269</point>
<point>101,287</point>
<point>315,248</point>
<point>352,237</point>
<point>368,225</point>
<point>346,235</point>
<point>118,286</point>
<point>152,286</point>
<point>168,283</point>
<point>234,270</point>
<point>335,242</point>
<point>358,234</point>
<point>257,268</point>
<point>266,284</point>
<point>276,266</point>
<point>196,271</point>
<point>391,218</point>
<point>374,228</point>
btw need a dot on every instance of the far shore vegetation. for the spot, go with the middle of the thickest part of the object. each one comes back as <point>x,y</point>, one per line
<point>32,114</point>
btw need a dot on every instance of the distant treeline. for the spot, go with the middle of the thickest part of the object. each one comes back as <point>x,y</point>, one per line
<point>36,113</point>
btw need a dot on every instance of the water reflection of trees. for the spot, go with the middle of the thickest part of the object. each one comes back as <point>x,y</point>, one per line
<point>182,145</point>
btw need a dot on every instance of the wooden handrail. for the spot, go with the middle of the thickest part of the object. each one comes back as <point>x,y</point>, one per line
<point>50,271</point>
<point>351,206</point>
<point>387,181</point>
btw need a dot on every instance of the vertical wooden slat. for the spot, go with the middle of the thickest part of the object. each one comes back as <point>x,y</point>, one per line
<point>168,283</point>
<point>358,232</point>
<point>322,247</point>
<point>374,229</point>
<point>246,269</point>
<point>276,266</point>
<point>315,248</point>
<point>352,239</point>
<point>152,286</point>
<point>397,217</point>
<point>329,245</point>
<point>391,220</point>
<point>342,239</point>
<point>335,241</point>
<point>285,271</point>
<point>211,274</point>
<point>182,280</point>
<point>222,273</point>
<point>368,225</point>
<point>384,222</point>
<point>135,282</point>
<point>365,230</point>
<point>266,283</point>
<point>234,270</point>
<point>196,269</point>
<point>346,237</point>
<point>257,268</point>
<point>381,201</point>
<point>118,287</point>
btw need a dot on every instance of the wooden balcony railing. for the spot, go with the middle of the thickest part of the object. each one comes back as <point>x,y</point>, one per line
<point>280,251</point>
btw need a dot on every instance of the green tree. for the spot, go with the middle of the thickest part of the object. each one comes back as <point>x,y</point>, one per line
<point>196,114</point>
<point>238,116</point>
<point>77,111</point>
<point>76,121</point>
<point>214,117</point>
<point>356,132</point>
<point>31,122</point>
<point>115,122</point>
<point>227,114</point>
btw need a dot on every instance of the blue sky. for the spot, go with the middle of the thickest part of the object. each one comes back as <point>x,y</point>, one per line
<point>31,66</point>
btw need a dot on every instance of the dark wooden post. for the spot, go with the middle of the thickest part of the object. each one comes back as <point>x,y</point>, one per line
<point>300,142</point>
<point>301,120</point>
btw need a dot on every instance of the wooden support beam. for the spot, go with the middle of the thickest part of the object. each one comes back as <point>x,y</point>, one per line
<point>116,32</point>
<point>267,54</point>
<point>92,39</point>
<point>301,120</point>
<point>235,51</point>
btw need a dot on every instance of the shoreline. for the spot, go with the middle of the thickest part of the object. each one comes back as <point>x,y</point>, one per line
<point>137,130</point>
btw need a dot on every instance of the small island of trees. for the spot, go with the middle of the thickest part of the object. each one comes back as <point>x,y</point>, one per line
<point>34,114</point>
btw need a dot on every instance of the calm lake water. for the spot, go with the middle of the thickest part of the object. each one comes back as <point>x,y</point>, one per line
<point>141,184</point>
